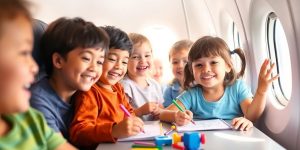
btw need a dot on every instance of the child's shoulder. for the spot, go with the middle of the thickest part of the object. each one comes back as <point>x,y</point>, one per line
<point>238,83</point>
<point>30,116</point>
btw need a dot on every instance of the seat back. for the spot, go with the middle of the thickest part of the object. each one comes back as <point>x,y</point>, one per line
<point>39,27</point>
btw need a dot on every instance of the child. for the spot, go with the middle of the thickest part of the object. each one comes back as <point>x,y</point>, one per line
<point>73,50</point>
<point>157,73</point>
<point>21,127</point>
<point>98,117</point>
<point>178,57</point>
<point>218,92</point>
<point>143,93</point>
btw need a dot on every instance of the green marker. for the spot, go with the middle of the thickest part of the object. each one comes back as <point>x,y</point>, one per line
<point>178,106</point>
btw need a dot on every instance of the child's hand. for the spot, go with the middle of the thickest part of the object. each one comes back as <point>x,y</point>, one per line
<point>241,124</point>
<point>128,127</point>
<point>265,79</point>
<point>183,118</point>
<point>150,107</point>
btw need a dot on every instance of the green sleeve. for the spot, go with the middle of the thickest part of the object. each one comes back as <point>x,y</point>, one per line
<point>53,139</point>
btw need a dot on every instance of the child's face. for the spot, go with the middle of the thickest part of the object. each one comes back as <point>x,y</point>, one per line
<point>17,67</point>
<point>157,70</point>
<point>178,61</point>
<point>209,72</point>
<point>114,67</point>
<point>141,61</point>
<point>82,68</point>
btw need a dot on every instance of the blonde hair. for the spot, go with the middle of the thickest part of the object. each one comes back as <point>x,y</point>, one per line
<point>139,39</point>
<point>180,45</point>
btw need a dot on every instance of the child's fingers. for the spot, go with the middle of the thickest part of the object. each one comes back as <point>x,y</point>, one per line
<point>236,122</point>
<point>269,71</point>
<point>263,68</point>
<point>189,113</point>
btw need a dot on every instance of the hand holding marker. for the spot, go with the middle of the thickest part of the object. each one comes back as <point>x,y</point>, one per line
<point>177,105</point>
<point>127,113</point>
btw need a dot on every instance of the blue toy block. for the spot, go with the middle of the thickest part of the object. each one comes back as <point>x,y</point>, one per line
<point>191,140</point>
<point>163,140</point>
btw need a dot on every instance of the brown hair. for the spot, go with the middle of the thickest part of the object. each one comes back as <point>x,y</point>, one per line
<point>213,46</point>
<point>10,9</point>
<point>180,45</point>
<point>139,39</point>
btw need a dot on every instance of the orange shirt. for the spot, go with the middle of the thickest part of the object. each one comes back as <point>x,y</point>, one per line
<point>96,111</point>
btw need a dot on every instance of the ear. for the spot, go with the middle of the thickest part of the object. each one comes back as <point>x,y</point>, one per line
<point>57,60</point>
<point>227,68</point>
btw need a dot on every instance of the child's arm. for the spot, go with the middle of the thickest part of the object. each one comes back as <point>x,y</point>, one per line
<point>147,108</point>
<point>173,114</point>
<point>86,129</point>
<point>254,109</point>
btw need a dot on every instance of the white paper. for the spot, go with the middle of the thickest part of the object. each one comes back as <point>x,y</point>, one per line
<point>214,124</point>
<point>152,129</point>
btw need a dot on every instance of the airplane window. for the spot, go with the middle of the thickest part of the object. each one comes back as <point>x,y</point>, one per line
<point>278,52</point>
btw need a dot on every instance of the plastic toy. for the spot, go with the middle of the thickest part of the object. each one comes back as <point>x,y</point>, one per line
<point>191,140</point>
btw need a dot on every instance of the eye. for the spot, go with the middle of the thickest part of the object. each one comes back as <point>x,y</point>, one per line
<point>134,57</point>
<point>198,65</point>
<point>25,53</point>
<point>124,62</point>
<point>214,62</point>
<point>85,58</point>
<point>175,62</point>
<point>147,56</point>
<point>111,59</point>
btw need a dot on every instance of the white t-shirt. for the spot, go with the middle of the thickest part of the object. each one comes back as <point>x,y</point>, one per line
<point>139,96</point>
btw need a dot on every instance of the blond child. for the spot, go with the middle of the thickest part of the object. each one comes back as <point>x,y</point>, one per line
<point>98,117</point>
<point>178,57</point>
<point>213,89</point>
<point>143,93</point>
<point>21,127</point>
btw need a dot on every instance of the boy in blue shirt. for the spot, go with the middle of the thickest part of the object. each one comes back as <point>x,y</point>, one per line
<point>73,51</point>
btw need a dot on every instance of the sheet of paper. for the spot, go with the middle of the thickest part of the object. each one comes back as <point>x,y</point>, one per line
<point>152,129</point>
<point>214,124</point>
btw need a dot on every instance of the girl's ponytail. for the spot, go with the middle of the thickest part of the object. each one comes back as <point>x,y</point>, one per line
<point>188,76</point>
<point>241,54</point>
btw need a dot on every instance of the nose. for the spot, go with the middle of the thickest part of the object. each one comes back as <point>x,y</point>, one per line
<point>34,68</point>
<point>181,64</point>
<point>93,65</point>
<point>206,68</point>
<point>118,64</point>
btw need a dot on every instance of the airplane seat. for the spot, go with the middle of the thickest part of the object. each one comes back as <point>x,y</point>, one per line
<point>39,27</point>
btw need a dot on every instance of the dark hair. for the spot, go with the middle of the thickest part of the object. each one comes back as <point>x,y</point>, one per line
<point>11,9</point>
<point>180,45</point>
<point>213,46</point>
<point>118,39</point>
<point>64,35</point>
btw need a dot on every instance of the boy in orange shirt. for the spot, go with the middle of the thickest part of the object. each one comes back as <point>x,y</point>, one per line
<point>98,117</point>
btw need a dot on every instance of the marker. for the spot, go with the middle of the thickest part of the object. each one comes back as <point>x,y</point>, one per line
<point>142,143</point>
<point>127,113</point>
<point>178,106</point>
<point>172,129</point>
